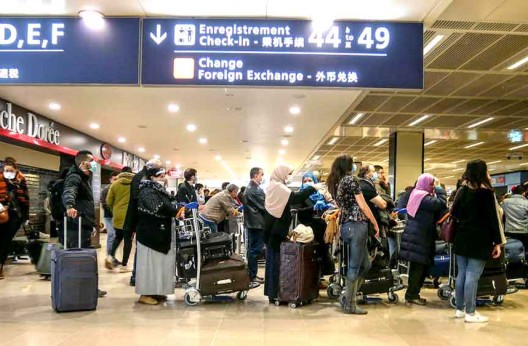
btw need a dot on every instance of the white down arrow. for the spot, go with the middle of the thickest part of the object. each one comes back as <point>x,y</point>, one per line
<point>159,37</point>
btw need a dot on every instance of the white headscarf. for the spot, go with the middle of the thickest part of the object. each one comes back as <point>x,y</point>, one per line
<point>277,193</point>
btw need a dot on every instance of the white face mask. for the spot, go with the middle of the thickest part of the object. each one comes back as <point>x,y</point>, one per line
<point>161,182</point>
<point>9,175</point>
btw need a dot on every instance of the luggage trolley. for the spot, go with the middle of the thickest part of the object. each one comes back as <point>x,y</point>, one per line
<point>222,275</point>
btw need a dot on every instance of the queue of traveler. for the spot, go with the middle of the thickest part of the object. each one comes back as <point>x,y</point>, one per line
<point>141,204</point>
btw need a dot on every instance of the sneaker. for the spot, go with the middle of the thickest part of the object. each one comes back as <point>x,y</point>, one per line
<point>460,314</point>
<point>101,294</point>
<point>109,263</point>
<point>475,318</point>
<point>116,263</point>
<point>124,269</point>
<point>148,300</point>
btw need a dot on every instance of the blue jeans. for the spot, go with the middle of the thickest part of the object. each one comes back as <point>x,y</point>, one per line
<point>212,225</point>
<point>110,235</point>
<point>255,246</point>
<point>469,271</point>
<point>355,234</point>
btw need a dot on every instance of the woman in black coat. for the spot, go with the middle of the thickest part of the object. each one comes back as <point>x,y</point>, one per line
<point>277,223</point>
<point>427,204</point>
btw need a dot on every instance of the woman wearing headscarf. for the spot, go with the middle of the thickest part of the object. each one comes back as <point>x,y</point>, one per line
<point>14,197</point>
<point>427,203</point>
<point>277,222</point>
<point>156,257</point>
<point>309,214</point>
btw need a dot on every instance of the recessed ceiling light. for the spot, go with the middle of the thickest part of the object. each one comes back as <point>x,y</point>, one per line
<point>356,118</point>
<point>478,123</point>
<point>168,162</point>
<point>141,149</point>
<point>377,144</point>
<point>202,140</point>
<point>432,44</point>
<point>294,110</point>
<point>333,141</point>
<point>316,157</point>
<point>288,129</point>
<point>518,63</point>
<point>285,142</point>
<point>173,108</point>
<point>95,126</point>
<point>473,145</point>
<point>121,139</point>
<point>92,19</point>
<point>419,120</point>
<point>430,142</point>
<point>218,157</point>
<point>54,106</point>
<point>156,156</point>
<point>282,152</point>
<point>519,147</point>
<point>191,127</point>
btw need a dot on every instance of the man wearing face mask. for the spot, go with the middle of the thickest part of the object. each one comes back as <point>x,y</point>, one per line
<point>78,200</point>
<point>254,211</point>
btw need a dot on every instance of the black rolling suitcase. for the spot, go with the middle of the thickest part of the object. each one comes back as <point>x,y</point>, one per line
<point>74,277</point>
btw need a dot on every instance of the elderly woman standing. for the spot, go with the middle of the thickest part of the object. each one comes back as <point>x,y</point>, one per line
<point>277,222</point>
<point>156,257</point>
<point>427,203</point>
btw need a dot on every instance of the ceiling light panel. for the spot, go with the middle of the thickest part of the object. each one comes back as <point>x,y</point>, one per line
<point>356,118</point>
<point>333,141</point>
<point>473,145</point>
<point>478,123</point>
<point>518,63</point>
<point>419,120</point>
<point>381,142</point>
<point>519,147</point>
<point>433,43</point>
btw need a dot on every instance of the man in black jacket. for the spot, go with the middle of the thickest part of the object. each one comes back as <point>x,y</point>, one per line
<point>131,218</point>
<point>254,212</point>
<point>186,192</point>
<point>78,200</point>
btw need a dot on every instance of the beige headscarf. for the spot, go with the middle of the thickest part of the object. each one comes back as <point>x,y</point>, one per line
<point>277,193</point>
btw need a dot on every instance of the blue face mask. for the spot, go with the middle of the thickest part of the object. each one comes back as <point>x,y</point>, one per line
<point>354,168</point>
<point>375,176</point>
<point>93,166</point>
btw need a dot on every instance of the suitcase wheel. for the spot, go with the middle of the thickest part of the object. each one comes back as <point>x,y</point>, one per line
<point>393,297</point>
<point>192,297</point>
<point>277,303</point>
<point>293,305</point>
<point>242,295</point>
<point>443,292</point>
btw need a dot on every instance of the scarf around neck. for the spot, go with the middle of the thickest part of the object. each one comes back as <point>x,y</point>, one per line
<point>277,193</point>
<point>424,187</point>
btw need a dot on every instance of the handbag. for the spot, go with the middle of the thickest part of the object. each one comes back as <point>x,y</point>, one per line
<point>447,228</point>
<point>332,225</point>
<point>302,234</point>
<point>4,215</point>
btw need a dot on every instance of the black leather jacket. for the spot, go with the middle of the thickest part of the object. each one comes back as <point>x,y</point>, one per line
<point>254,208</point>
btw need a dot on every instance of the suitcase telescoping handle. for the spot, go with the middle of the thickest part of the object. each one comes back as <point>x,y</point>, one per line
<point>66,231</point>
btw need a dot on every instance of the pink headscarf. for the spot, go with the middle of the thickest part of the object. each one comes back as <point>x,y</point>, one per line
<point>424,187</point>
<point>277,193</point>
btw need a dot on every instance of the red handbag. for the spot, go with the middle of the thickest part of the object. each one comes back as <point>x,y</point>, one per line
<point>447,228</point>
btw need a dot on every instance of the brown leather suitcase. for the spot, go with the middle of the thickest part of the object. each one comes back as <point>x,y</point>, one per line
<point>224,276</point>
<point>299,274</point>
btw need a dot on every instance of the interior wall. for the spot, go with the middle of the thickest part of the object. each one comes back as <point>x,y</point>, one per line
<point>30,157</point>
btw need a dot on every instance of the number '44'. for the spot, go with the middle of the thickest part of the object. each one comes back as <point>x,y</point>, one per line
<point>332,37</point>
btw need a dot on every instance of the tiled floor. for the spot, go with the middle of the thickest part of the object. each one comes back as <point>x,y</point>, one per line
<point>26,318</point>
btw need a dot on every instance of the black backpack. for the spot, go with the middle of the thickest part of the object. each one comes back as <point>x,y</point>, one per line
<point>57,207</point>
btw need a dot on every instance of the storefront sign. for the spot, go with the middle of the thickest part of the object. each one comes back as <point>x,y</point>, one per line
<point>28,124</point>
<point>282,53</point>
<point>132,161</point>
<point>175,173</point>
<point>66,51</point>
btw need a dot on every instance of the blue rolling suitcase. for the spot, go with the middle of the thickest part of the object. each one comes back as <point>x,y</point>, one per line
<point>441,260</point>
<point>74,277</point>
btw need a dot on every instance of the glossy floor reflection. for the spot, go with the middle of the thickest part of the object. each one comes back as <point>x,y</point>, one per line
<point>26,318</point>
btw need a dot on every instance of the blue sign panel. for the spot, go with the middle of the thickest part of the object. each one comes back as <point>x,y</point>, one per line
<point>66,51</point>
<point>282,53</point>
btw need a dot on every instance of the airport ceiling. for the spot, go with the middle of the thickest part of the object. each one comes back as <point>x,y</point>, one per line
<point>466,80</point>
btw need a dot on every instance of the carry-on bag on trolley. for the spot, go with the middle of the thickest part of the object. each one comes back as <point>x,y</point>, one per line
<point>74,277</point>
<point>225,275</point>
<point>214,245</point>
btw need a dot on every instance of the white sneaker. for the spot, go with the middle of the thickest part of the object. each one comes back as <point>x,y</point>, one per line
<point>460,314</point>
<point>124,269</point>
<point>476,318</point>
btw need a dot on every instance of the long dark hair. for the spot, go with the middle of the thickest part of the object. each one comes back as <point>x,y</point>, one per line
<point>477,174</point>
<point>341,167</point>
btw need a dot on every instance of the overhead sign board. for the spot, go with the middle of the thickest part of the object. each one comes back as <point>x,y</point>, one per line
<point>282,53</point>
<point>65,51</point>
